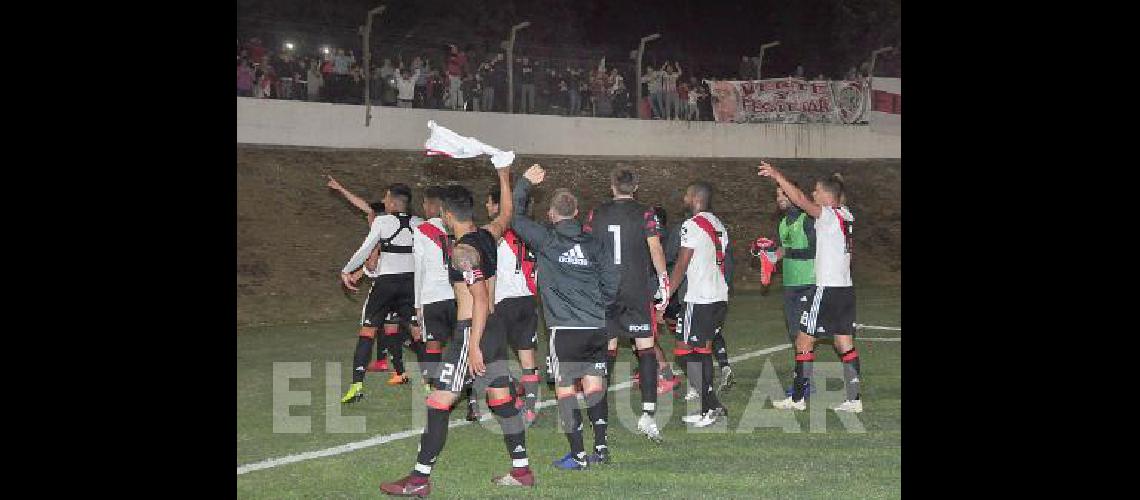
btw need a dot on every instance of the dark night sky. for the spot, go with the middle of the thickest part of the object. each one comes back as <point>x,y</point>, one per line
<point>823,35</point>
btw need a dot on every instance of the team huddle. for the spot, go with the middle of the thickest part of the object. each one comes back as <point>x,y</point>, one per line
<point>462,297</point>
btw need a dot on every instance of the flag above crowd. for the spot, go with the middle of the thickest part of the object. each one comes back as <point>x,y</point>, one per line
<point>790,100</point>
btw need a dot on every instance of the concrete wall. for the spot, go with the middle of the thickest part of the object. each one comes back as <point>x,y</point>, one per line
<point>296,123</point>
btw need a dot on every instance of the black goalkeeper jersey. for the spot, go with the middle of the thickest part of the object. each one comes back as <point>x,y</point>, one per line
<point>623,227</point>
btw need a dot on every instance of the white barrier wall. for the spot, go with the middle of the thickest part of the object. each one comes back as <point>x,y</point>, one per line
<point>297,123</point>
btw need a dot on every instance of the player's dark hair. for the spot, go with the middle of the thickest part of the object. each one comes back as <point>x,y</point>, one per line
<point>495,193</point>
<point>459,202</point>
<point>564,202</point>
<point>624,180</point>
<point>662,217</point>
<point>377,207</point>
<point>434,193</point>
<point>832,184</point>
<point>703,191</point>
<point>401,191</point>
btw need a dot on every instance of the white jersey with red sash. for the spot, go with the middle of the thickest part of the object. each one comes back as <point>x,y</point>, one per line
<point>707,236</point>
<point>431,248</point>
<point>515,272</point>
<point>833,231</point>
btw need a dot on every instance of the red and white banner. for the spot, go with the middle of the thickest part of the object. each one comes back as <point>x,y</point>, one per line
<point>886,105</point>
<point>789,100</point>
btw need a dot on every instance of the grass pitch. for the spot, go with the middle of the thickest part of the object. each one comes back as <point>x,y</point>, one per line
<point>806,456</point>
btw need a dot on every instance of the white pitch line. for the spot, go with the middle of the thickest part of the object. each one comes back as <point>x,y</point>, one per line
<point>873,327</point>
<point>881,339</point>
<point>379,440</point>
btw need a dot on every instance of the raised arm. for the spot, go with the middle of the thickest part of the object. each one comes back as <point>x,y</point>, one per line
<point>506,205</point>
<point>534,234</point>
<point>356,201</point>
<point>794,194</point>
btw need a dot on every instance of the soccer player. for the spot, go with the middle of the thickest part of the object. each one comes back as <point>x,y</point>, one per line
<point>434,297</point>
<point>674,313</point>
<point>796,254</point>
<point>393,289</point>
<point>475,350</point>
<point>700,261</point>
<point>513,288</point>
<point>831,301</point>
<point>629,232</point>
<point>578,282</point>
<point>667,380</point>
<point>674,310</point>
<point>369,269</point>
<point>432,251</point>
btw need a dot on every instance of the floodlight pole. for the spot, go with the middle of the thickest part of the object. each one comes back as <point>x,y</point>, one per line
<point>760,61</point>
<point>366,32</point>
<point>511,66</point>
<point>875,55</point>
<point>640,53</point>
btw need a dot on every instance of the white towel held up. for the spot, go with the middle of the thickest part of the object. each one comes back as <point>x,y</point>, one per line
<point>443,141</point>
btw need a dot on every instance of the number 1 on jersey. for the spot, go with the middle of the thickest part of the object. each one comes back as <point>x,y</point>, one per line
<point>616,229</point>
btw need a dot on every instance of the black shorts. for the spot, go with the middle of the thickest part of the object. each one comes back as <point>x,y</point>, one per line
<point>701,323</point>
<point>829,311</point>
<point>452,373</point>
<point>390,293</point>
<point>576,353</point>
<point>794,305</point>
<point>439,320</point>
<point>631,318</point>
<point>517,319</point>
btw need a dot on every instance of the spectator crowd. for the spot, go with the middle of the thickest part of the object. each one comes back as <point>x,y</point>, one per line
<point>459,79</point>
